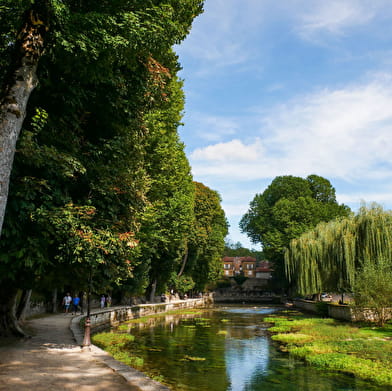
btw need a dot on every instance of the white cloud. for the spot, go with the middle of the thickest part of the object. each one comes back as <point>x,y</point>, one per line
<point>336,17</point>
<point>233,151</point>
<point>342,133</point>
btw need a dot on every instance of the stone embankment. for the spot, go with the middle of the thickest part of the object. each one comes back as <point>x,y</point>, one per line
<point>341,312</point>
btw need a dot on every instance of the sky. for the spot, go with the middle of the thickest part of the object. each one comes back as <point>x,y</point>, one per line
<point>294,87</point>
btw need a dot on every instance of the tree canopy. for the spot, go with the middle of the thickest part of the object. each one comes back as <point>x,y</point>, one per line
<point>98,158</point>
<point>329,257</point>
<point>206,241</point>
<point>287,208</point>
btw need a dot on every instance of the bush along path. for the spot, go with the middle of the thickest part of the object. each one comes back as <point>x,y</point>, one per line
<point>360,350</point>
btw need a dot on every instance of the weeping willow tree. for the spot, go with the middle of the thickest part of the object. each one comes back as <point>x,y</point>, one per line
<point>327,258</point>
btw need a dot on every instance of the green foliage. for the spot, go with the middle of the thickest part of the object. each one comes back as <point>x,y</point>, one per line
<point>327,258</point>
<point>286,209</point>
<point>237,250</point>
<point>373,288</point>
<point>99,156</point>
<point>333,345</point>
<point>114,344</point>
<point>181,284</point>
<point>167,219</point>
<point>206,239</point>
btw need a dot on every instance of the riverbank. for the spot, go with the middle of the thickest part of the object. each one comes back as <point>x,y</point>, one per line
<point>52,359</point>
<point>361,351</point>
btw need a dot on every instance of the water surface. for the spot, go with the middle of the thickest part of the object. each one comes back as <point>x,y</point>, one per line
<point>227,349</point>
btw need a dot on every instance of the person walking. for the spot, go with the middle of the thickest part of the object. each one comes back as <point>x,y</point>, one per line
<point>75,304</point>
<point>103,300</point>
<point>67,300</point>
<point>108,301</point>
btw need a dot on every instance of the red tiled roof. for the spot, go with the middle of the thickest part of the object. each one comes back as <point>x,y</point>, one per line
<point>242,259</point>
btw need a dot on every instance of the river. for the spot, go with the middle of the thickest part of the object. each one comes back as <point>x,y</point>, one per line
<point>226,348</point>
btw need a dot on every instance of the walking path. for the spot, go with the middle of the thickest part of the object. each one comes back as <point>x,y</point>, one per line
<point>52,361</point>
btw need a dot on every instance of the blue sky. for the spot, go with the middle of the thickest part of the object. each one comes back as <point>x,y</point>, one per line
<point>293,87</point>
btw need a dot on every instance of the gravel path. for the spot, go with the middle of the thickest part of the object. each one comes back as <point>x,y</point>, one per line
<point>51,361</point>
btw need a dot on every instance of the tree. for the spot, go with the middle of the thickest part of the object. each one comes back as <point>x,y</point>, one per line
<point>19,82</point>
<point>328,257</point>
<point>373,288</point>
<point>99,40</point>
<point>167,220</point>
<point>206,241</point>
<point>238,250</point>
<point>287,208</point>
<point>84,136</point>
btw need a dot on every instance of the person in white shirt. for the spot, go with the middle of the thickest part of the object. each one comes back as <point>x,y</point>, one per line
<point>67,301</point>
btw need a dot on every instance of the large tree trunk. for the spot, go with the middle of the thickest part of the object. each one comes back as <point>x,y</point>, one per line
<point>8,323</point>
<point>54,300</point>
<point>23,305</point>
<point>184,260</point>
<point>153,291</point>
<point>15,94</point>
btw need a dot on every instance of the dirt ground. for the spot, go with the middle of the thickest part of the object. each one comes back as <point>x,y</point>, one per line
<point>51,361</point>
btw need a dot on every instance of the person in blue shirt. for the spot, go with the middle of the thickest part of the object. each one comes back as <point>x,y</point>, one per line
<point>75,304</point>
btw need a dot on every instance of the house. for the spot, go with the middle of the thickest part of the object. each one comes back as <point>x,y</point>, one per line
<point>234,266</point>
<point>248,267</point>
<point>264,270</point>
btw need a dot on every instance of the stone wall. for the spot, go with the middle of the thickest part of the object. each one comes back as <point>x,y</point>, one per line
<point>306,305</point>
<point>342,312</point>
<point>109,317</point>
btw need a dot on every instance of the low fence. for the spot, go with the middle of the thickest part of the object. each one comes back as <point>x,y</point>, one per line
<point>110,317</point>
<point>342,312</point>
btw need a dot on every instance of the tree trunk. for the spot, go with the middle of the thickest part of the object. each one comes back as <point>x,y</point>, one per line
<point>54,300</point>
<point>8,323</point>
<point>184,259</point>
<point>23,305</point>
<point>153,290</point>
<point>15,94</point>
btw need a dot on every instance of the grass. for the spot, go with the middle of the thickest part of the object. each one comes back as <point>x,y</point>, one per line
<point>113,344</point>
<point>358,350</point>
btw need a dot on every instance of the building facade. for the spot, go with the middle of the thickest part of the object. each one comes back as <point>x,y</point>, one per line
<point>246,266</point>
<point>235,266</point>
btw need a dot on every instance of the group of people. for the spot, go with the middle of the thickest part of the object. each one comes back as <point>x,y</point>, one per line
<point>105,301</point>
<point>73,303</point>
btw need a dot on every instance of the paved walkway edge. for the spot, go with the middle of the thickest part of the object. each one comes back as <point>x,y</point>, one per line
<point>131,375</point>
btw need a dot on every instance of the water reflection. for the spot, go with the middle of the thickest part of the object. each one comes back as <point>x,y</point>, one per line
<point>244,358</point>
